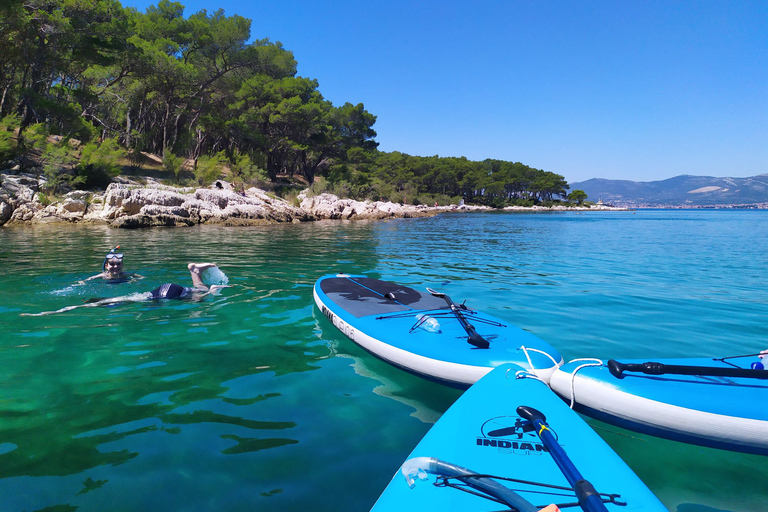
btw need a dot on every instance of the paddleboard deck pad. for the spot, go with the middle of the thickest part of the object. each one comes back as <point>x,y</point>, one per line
<point>386,320</point>
<point>717,411</point>
<point>482,432</point>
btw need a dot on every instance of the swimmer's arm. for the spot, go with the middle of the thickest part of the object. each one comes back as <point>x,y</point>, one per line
<point>91,278</point>
<point>92,303</point>
<point>68,308</point>
<point>215,289</point>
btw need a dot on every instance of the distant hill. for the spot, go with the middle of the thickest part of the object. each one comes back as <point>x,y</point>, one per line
<point>679,191</point>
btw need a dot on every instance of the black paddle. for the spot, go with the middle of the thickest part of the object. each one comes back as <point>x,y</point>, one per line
<point>589,498</point>
<point>617,369</point>
<point>472,337</point>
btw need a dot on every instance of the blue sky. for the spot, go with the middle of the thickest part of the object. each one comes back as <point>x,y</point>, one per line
<point>623,89</point>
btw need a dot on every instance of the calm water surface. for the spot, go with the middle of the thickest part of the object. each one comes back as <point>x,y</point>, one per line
<point>251,400</point>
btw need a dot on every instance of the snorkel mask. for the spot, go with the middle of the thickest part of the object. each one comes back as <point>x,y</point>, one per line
<point>110,256</point>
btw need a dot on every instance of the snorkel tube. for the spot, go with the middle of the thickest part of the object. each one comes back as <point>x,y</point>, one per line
<point>104,263</point>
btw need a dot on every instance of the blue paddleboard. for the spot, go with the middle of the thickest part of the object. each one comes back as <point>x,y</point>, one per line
<point>483,433</point>
<point>720,411</point>
<point>425,333</point>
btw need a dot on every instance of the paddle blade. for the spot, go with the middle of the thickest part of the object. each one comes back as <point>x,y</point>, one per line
<point>531,414</point>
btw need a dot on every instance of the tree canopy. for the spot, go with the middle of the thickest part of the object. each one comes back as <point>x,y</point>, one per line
<point>492,182</point>
<point>201,86</point>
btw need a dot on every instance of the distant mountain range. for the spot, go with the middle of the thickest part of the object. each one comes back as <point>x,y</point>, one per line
<point>680,191</point>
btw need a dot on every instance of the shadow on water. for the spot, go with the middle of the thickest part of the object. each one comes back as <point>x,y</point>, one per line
<point>428,400</point>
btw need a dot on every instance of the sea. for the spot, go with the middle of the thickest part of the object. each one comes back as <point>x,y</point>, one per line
<point>250,400</point>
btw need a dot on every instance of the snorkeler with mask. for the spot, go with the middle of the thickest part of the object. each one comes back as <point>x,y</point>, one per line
<point>112,269</point>
<point>198,290</point>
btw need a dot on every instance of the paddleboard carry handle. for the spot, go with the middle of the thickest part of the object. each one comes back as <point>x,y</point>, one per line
<point>473,338</point>
<point>617,369</point>
<point>589,499</point>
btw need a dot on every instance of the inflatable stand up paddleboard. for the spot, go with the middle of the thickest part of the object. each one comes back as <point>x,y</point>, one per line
<point>510,443</point>
<point>426,333</point>
<point>719,403</point>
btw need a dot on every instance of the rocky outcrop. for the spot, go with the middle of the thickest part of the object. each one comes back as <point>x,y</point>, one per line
<point>329,206</point>
<point>131,205</point>
<point>127,204</point>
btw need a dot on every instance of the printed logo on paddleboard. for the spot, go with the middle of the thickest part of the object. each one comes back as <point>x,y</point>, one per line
<point>510,434</point>
<point>340,324</point>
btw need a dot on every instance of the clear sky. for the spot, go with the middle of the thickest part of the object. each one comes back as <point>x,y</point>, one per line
<point>622,89</point>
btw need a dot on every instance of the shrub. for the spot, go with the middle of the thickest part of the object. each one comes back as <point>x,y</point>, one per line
<point>8,126</point>
<point>208,168</point>
<point>56,157</point>
<point>99,163</point>
<point>44,199</point>
<point>243,168</point>
<point>134,158</point>
<point>319,186</point>
<point>523,202</point>
<point>172,163</point>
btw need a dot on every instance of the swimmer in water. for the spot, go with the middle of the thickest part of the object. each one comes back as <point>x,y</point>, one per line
<point>175,291</point>
<point>112,269</point>
<point>164,291</point>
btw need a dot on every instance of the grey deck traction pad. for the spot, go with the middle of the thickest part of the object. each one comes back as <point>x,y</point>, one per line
<point>364,296</point>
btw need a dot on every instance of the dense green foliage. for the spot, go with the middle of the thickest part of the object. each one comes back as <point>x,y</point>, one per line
<point>200,88</point>
<point>162,83</point>
<point>400,177</point>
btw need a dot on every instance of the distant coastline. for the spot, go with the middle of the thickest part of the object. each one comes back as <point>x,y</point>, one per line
<point>750,206</point>
<point>682,192</point>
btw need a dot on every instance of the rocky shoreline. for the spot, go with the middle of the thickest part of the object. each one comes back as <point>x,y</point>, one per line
<point>128,204</point>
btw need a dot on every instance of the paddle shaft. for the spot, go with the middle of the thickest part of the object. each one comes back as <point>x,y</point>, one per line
<point>650,368</point>
<point>589,498</point>
<point>472,336</point>
<point>483,484</point>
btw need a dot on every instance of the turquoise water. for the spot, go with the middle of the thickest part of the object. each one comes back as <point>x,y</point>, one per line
<point>251,400</point>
